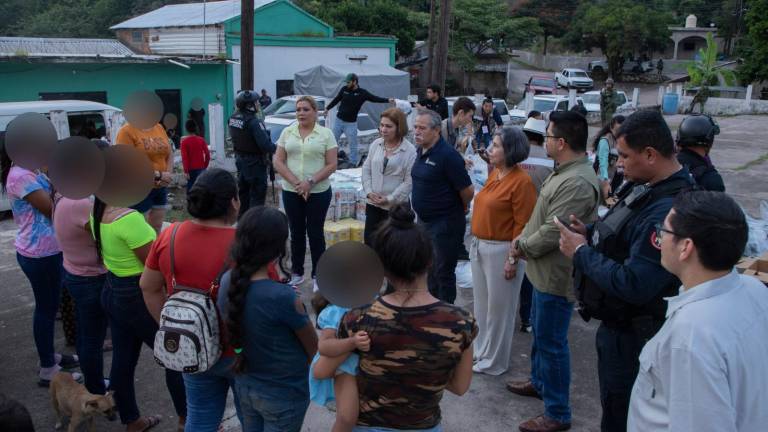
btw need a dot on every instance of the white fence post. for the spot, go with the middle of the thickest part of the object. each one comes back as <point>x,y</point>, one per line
<point>571,98</point>
<point>748,99</point>
<point>635,97</point>
<point>528,102</point>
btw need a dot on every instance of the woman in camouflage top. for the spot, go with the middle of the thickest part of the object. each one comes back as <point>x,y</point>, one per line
<point>419,346</point>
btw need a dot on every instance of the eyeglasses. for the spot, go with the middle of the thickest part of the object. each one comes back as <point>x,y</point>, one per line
<point>552,136</point>
<point>660,230</point>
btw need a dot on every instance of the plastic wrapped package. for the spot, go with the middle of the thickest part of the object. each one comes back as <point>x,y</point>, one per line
<point>335,232</point>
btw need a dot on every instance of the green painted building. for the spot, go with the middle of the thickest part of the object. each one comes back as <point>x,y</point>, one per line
<point>183,52</point>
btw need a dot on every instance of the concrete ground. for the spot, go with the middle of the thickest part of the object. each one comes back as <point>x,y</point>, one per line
<point>740,152</point>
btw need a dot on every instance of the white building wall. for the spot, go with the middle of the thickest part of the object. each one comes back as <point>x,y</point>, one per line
<point>187,41</point>
<point>272,63</point>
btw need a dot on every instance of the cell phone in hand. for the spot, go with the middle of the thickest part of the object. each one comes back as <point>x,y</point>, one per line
<point>566,223</point>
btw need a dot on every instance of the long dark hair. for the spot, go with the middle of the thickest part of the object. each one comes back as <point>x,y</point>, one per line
<point>260,239</point>
<point>99,207</point>
<point>5,162</point>
<point>607,129</point>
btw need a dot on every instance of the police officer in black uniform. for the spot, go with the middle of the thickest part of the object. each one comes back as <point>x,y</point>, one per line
<point>253,150</point>
<point>694,141</point>
<point>617,261</point>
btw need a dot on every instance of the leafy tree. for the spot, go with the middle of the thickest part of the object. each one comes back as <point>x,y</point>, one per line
<point>377,16</point>
<point>553,15</point>
<point>704,73</point>
<point>754,50</point>
<point>706,11</point>
<point>481,26</point>
<point>619,27</point>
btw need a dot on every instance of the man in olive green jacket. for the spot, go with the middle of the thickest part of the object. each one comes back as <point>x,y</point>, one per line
<point>571,189</point>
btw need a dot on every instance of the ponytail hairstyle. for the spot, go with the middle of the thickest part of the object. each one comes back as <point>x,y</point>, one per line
<point>5,163</point>
<point>99,207</point>
<point>404,248</point>
<point>212,194</point>
<point>259,240</point>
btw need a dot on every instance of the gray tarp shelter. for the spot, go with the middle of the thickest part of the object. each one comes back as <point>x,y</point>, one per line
<point>380,80</point>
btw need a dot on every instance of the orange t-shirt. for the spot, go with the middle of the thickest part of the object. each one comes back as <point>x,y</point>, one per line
<point>502,208</point>
<point>153,142</point>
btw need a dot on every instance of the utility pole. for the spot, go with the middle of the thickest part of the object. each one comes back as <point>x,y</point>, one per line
<point>431,42</point>
<point>442,43</point>
<point>246,45</point>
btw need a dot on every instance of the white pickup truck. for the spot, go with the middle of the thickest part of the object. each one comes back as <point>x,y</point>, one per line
<point>574,78</point>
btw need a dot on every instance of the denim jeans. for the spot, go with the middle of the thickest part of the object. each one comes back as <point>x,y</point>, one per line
<point>91,327</point>
<point>618,351</point>
<point>260,414</point>
<point>374,217</point>
<point>306,219</point>
<point>350,130</point>
<point>132,326</point>
<point>44,275</point>
<point>207,396</point>
<point>447,234</point>
<point>526,296</point>
<point>550,355</point>
<point>193,175</point>
<point>251,180</point>
<point>437,428</point>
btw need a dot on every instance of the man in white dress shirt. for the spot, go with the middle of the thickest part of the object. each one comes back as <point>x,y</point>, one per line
<point>707,368</point>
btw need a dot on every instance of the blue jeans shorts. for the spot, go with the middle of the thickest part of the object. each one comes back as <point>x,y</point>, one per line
<point>157,198</point>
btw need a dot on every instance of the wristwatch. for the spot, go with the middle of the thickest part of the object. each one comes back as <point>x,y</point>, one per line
<point>311,181</point>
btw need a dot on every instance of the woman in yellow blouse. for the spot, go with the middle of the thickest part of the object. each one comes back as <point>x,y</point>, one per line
<point>306,156</point>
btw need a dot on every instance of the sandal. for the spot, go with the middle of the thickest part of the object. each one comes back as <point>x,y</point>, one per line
<point>151,421</point>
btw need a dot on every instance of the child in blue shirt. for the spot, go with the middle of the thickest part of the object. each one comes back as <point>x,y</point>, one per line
<point>334,367</point>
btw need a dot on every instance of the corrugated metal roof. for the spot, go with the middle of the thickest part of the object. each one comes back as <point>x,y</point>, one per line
<point>42,47</point>
<point>189,14</point>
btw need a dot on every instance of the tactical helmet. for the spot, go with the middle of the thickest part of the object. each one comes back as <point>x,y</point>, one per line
<point>245,98</point>
<point>697,130</point>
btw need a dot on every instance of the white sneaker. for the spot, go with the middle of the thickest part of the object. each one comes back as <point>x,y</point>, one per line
<point>296,280</point>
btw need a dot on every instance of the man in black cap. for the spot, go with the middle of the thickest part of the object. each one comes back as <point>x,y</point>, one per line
<point>352,97</point>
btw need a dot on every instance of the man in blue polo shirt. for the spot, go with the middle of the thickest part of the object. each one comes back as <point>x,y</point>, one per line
<point>441,194</point>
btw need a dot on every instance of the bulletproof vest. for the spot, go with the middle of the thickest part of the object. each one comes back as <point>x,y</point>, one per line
<point>607,239</point>
<point>239,131</point>
<point>698,166</point>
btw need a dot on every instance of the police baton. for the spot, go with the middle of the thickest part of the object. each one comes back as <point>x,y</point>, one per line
<point>272,179</point>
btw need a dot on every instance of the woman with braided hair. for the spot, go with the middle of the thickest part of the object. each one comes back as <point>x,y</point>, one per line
<point>268,326</point>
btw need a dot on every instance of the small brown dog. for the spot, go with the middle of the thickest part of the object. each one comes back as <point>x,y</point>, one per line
<point>71,399</point>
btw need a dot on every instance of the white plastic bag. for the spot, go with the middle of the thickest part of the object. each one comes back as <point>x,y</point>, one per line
<point>757,242</point>
<point>464,275</point>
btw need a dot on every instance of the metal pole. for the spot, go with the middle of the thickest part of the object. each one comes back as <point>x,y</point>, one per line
<point>204,29</point>
<point>246,45</point>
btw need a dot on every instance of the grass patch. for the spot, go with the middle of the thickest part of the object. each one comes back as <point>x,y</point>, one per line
<point>750,164</point>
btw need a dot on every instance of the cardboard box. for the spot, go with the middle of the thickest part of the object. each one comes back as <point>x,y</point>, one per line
<point>757,267</point>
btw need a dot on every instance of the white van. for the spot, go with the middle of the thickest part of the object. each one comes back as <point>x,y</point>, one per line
<point>84,118</point>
